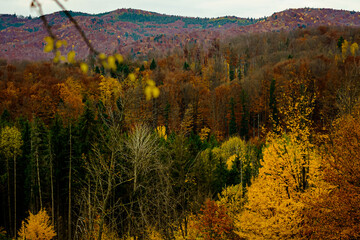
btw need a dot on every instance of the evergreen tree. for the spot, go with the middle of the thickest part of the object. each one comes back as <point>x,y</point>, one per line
<point>340,42</point>
<point>231,73</point>
<point>153,65</point>
<point>5,118</point>
<point>186,66</point>
<point>142,68</point>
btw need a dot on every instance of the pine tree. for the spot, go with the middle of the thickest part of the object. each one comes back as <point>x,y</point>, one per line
<point>153,65</point>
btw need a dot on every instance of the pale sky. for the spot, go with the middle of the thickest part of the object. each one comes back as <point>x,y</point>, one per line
<point>192,8</point>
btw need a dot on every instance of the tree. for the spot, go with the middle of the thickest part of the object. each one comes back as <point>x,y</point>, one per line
<point>104,173</point>
<point>290,171</point>
<point>213,222</point>
<point>340,42</point>
<point>153,65</point>
<point>10,146</point>
<point>334,212</point>
<point>244,127</point>
<point>37,226</point>
<point>276,198</point>
<point>150,184</point>
<point>232,122</point>
<point>272,104</point>
<point>38,146</point>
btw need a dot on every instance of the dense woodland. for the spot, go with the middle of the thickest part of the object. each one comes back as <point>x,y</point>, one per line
<point>255,137</point>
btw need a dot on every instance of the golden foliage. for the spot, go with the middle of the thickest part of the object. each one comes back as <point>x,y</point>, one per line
<point>192,232</point>
<point>188,121</point>
<point>110,90</point>
<point>232,198</point>
<point>275,200</point>
<point>153,234</point>
<point>204,133</point>
<point>151,91</point>
<point>37,226</point>
<point>71,94</point>
<point>161,131</point>
<point>10,142</point>
<point>337,207</point>
<point>49,44</point>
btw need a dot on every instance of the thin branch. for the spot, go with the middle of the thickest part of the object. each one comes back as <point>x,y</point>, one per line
<point>78,28</point>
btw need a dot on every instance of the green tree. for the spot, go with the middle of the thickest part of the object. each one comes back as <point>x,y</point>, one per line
<point>232,123</point>
<point>153,65</point>
<point>340,42</point>
<point>10,146</point>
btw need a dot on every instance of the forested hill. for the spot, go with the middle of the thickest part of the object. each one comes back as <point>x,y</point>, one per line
<point>138,32</point>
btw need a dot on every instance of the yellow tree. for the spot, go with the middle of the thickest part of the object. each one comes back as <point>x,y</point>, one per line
<point>110,90</point>
<point>335,213</point>
<point>10,144</point>
<point>71,95</point>
<point>275,199</point>
<point>37,226</point>
<point>290,169</point>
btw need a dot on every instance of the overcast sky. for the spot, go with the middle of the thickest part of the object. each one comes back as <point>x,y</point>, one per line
<point>193,8</point>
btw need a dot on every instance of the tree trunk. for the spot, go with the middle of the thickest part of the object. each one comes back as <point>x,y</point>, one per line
<point>110,179</point>
<point>15,195</point>
<point>9,199</point>
<point>89,202</point>
<point>38,174</point>
<point>69,216</point>
<point>52,184</point>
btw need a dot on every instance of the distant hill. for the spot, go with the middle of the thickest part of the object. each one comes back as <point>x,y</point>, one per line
<point>138,32</point>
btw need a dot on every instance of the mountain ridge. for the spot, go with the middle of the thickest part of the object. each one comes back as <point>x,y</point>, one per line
<point>139,32</point>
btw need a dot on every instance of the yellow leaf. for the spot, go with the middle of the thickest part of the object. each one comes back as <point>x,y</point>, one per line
<point>132,77</point>
<point>102,56</point>
<point>156,92</point>
<point>49,44</point>
<point>59,43</point>
<point>71,57</point>
<point>111,62</point>
<point>119,58</point>
<point>148,93</point>
<point>84,67</point>
<point>57,57</point>
<point>150,82</point>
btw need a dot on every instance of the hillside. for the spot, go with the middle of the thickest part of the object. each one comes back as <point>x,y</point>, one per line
<point>138,32</point>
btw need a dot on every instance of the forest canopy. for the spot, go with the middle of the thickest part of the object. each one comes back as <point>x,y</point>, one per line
<point>254,137</point>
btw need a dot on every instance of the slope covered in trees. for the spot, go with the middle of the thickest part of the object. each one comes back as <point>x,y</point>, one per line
<point>139,33</point>
<point>253,137</point>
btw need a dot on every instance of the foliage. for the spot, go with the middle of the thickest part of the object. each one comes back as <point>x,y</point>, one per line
<point>37,226</point>
<point>213,222</point>
<point>10,142</point>
<point>336,207</point>
<point>136,181</point>
<point>276,198</point>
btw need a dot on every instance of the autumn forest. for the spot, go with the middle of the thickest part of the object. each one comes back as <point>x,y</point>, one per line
<point>256,136</point>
